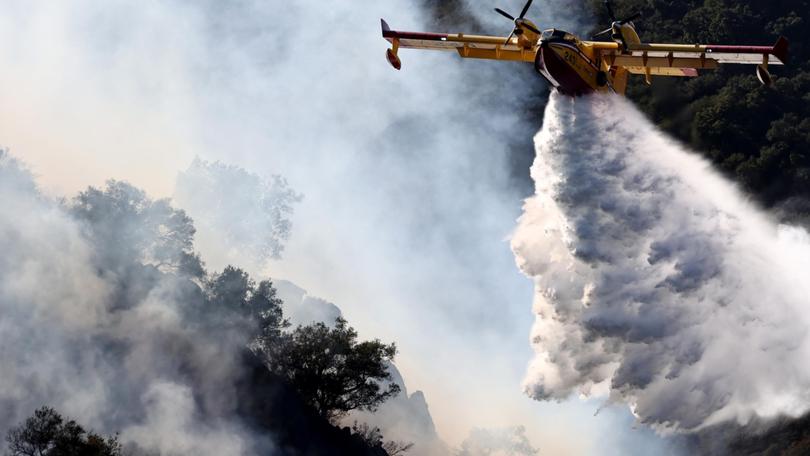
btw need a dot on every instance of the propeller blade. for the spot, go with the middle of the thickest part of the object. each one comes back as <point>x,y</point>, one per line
<point>504,14</point>
<point>603,32</point>
<point>509,38</point>
<point>525,9</point>
<point>631,18</point>
<point>532,28</point>
<point>610,11</point>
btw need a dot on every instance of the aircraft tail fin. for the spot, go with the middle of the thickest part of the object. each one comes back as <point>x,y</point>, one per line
<point>780,50</point>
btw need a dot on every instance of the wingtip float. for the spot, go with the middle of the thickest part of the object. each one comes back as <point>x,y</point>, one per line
<point>578,67</point>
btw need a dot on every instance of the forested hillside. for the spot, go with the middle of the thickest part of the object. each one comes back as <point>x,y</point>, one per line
<point>104,297</point>
<point>759,136</point>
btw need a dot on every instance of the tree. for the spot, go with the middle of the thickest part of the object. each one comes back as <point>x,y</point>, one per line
<point>374,439</point>
<point>14,176</point>
<point>332,372</point>
<point>130,227</point>
<point>244,211</point>
<point>46,433</point>
<point>234,298</point>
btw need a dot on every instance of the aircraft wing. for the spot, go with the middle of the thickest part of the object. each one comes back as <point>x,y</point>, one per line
<point>662,71</point>
<point>468,46</point>
<point>692,56</point>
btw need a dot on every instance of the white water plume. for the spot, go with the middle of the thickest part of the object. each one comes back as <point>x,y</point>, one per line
<point>656,282</point>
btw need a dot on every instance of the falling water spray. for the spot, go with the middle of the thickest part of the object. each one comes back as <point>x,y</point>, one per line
<point>657,283</point>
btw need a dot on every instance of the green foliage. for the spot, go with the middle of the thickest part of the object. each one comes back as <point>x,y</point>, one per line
<point>129,226</point>
<point>145,240</point>
<point>46,433</point>
<point>234,299</point>
<point>332,372</point>
<point>756,135</point>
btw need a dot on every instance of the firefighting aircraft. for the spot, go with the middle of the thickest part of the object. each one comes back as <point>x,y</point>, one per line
<point>577,67</point>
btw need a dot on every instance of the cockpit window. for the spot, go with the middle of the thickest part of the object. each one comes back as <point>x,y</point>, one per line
<point>554,34</point>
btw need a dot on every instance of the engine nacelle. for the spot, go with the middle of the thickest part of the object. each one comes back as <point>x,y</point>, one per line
<point>763,75</point>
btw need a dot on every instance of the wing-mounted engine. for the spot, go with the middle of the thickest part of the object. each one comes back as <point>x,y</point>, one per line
<point>624,33</point>
<point>621,31</point>
<point>525,30</point>
<point>528,35</point>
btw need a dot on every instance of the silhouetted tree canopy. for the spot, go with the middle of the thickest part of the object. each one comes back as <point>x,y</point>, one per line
<point>160,336</point>
<point>332,371</point>
<point>46,433</point>
<point>233,299</point>
<point>374,439</point>
<point>128,226</point>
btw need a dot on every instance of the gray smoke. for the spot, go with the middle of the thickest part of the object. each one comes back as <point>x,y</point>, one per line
<point>407,175</point>
<point>243,217</point>
<point>102,339</point>
<point>656,282</point>
<point>510,441</point>
<point>405,418</point>
<point>302,309</point>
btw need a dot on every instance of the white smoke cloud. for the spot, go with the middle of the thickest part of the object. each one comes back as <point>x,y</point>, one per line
<point>407,175</point>
<point>506,442</point>
<point>73,339</point>
<point>241,217</point>
<point>655,280</point>
<point>171,410</point>
<point>40,289</point>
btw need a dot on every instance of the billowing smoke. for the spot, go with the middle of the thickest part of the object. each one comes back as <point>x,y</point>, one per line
<point>242,217</point>
<point>119,341</point>
<point>410,186</point>
<point>656,281</point>
<point>510,441</point>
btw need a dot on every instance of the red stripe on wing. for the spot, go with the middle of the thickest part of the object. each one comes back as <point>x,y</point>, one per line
<point>389,34</point>
<point>780,49</point>
<point>739,49</point>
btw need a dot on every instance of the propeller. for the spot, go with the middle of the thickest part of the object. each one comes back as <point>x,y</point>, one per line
<point>518,21</point>
<point>525,9</point>
<point>504,14</point>
<point>613,20</point>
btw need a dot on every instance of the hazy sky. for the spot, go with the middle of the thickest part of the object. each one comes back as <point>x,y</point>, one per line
<point>408,200</point>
